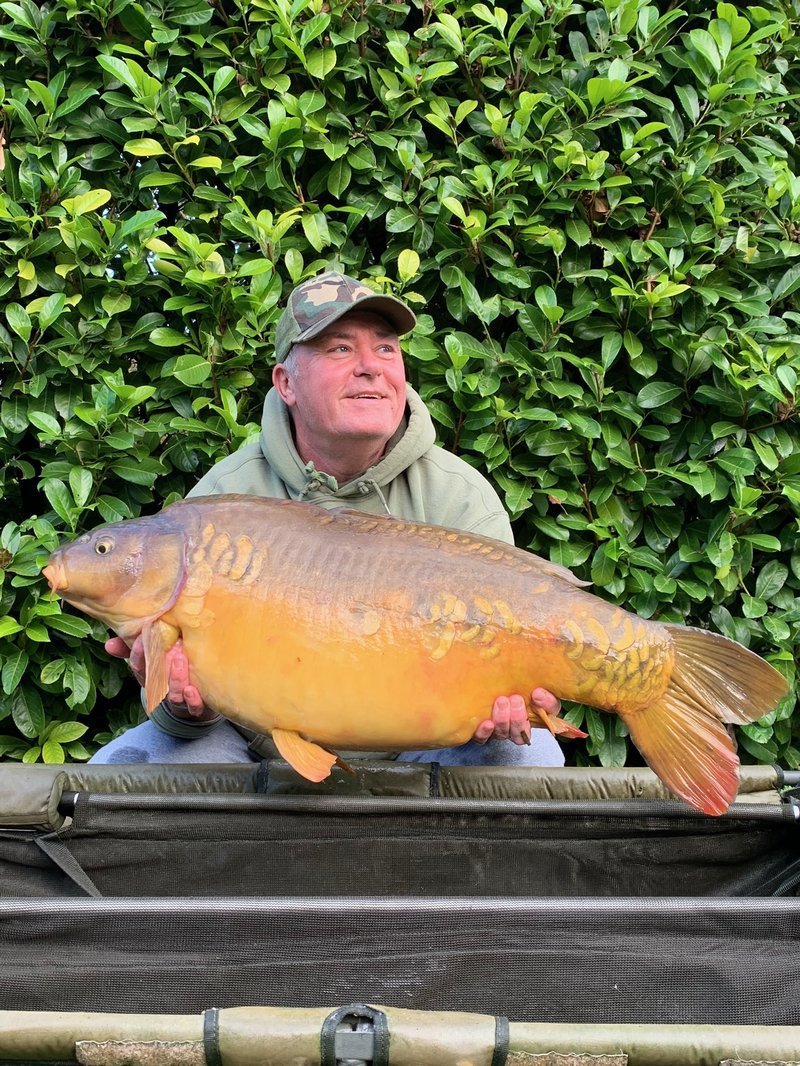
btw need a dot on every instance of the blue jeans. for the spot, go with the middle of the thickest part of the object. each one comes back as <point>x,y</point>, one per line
<point>224,744</point>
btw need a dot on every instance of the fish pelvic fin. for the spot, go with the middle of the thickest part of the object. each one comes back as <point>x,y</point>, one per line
<point>309,760</point>
<point>157,638</point>
<point>682,734</point>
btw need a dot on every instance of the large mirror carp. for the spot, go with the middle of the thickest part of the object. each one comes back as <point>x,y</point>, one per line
<point>342,630</point>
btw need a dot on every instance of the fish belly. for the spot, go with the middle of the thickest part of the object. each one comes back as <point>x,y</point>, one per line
<point>403,667</point>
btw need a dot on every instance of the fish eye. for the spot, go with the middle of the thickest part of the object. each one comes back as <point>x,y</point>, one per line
<point>104,546</point>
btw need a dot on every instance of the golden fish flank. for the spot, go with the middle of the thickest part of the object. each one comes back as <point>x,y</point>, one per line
<point>599,636</point>
<point>362,622</point>
<point>221,554</point>
<point>207,534</point>
<point>612,660</point>
<point>244,556</point>
<point>451,620</point>
<point>217,554</point>
<point>199,580</point>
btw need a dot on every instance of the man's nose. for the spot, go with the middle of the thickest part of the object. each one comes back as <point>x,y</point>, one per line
<point>367,361</point>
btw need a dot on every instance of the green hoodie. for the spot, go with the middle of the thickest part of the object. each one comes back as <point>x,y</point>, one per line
<point>415,480</point>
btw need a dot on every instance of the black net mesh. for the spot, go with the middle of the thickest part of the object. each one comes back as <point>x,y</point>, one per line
<point>339,846</point>
<point>538,959</point>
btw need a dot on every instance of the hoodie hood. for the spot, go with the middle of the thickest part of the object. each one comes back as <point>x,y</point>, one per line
<point>413,438</point>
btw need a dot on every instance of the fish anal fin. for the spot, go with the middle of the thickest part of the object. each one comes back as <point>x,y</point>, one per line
<point>554,724</point>
<point>309,760</point>
<point>689,749</point>
<point>559,727</point>
<point>157,638</point>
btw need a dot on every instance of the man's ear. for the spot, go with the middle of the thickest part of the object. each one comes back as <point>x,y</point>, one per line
<point>282,381</point>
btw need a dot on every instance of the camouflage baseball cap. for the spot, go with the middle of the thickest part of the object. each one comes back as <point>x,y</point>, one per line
<point>319,302</point>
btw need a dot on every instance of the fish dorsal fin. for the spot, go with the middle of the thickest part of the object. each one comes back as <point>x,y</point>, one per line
<point>456,542</point>
<point>551,569</point>
<point>157,638</point>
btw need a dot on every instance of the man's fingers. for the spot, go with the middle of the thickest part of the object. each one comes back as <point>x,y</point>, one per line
<point>518,726</point>
<point>484,732</point>
<point>194,701</point>
<point>181,692</point>
<point>546,700</point>
<point>137,662</point>
<point>510,716</point>
<point>178,675</point>
<point>501,716</point>
<point>178,667</point>
<point>117,647</point>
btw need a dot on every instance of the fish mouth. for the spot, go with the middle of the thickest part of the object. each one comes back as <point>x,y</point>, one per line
<point>56,576</point>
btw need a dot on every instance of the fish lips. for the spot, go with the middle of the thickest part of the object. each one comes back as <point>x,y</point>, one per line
<point>56,575</point>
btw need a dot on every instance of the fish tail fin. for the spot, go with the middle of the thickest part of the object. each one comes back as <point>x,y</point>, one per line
<point>689,749</point>
<point>682,735</point>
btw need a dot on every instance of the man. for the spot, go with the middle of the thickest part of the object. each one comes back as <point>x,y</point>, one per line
<point>340,427</point>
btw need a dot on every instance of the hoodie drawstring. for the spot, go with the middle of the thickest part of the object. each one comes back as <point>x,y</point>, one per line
<point>317,479</point>
<point>366,485</point>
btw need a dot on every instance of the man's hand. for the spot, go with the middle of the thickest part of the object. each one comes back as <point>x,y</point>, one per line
<point>509,719</point>
<point>183,698</point>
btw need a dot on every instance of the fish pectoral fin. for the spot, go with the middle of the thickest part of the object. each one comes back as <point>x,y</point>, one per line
<point>310,760</point>
<point>157,638</point>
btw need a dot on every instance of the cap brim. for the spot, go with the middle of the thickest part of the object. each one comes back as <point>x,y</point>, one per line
<point>395,312</point>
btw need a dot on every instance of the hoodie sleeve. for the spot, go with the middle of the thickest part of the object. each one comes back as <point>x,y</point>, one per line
<point>185,728</point>
<point>445,490</point>
<point>493,524</point>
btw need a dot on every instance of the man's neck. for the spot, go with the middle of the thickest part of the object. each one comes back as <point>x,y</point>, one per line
<point>347,463</point>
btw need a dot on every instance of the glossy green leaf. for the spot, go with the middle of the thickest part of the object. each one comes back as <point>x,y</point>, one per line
<point>656,394</point>
<point>14,666</point>
<point>165,337</point>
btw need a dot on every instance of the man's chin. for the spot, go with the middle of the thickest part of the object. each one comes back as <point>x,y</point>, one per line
<point>376,430</point>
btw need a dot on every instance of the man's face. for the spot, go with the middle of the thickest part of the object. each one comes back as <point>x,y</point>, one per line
<point>348,384</point>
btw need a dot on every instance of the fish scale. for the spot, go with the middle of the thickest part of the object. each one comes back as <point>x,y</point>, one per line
<point>334,629</point>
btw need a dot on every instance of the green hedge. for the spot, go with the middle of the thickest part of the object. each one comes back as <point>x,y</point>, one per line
<point>594,206</point>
